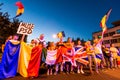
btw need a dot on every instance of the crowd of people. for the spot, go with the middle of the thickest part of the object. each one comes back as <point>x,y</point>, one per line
<point>72,56</point>
<point>65,56</point>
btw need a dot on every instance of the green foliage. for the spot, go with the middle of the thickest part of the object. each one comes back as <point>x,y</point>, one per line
<point>8,26</point>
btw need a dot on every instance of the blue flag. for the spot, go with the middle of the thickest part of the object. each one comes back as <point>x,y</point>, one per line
<point>9,63</point>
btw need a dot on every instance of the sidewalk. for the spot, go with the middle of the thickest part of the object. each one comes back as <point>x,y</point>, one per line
<point>103,75</point>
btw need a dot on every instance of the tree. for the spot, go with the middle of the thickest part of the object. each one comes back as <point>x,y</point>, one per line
<point>82,41</point>
<point>7,26</point>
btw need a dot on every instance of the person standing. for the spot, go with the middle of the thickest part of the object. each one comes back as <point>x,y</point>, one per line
<point>9,63</point>
<point>68,56</point>
<point>59,57</point>
<point>107,56</point>
<point>98,51</point>
<point>44,49</point>
<point>78,49</point>
<point>34,63</point>
<point>41,39</point>
<point>3,45</point>
<point>114,51</point>
<point>51,58</point>
<point>91,56</point>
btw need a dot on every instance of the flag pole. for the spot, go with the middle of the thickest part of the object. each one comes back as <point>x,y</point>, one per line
<point>23,36</point>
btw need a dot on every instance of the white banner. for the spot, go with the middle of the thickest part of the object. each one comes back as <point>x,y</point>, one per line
<point>25,28</point>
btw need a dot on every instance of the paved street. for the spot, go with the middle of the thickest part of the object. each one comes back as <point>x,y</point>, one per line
<point>103,75</point>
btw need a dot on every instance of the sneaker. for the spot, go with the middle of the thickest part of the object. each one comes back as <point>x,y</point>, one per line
<point>55,73</point>
<point>78,71</point>
<point>108,68</point>
<point>91,72</point>
<point>82,71</point>
<point>113,68</point>
<point>67,72</point>
<point>97,72</point>
<point>72,72</point>
<point>48,73</point>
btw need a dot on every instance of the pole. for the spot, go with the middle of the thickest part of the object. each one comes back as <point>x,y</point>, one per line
<point>23,36</point>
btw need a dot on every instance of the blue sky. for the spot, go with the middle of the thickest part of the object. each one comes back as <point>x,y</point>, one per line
<point>77,18</point>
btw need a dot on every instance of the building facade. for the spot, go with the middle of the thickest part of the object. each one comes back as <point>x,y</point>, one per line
<point>112,35</point>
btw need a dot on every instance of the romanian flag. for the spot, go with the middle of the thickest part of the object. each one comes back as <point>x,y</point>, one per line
<point>104,20</point>
<point>29,60</point>
<point>20,9</point>
<point>20,57</point>
<point>61,34</point>
<point>24,58</point>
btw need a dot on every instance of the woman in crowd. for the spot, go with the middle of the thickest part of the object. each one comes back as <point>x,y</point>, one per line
<point>91,55</point>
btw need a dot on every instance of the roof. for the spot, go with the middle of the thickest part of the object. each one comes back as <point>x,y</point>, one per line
<point>116,23</point>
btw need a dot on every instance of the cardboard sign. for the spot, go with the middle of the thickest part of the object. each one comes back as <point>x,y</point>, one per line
<point>25,28</point>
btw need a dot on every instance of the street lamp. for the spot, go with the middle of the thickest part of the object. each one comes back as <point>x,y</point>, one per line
<point>54,36</point>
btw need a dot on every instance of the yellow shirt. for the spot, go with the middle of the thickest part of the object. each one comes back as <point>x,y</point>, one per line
<point>89,50</point>
<point>114,52</point>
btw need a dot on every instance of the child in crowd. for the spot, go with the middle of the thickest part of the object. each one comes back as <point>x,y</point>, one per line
<point>67,57</point>
<point>78,50</point>
<point>51,58</point>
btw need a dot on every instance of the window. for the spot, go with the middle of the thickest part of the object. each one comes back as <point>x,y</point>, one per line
<point>118,40</point>
<point>111,33</point>
<point>106,35</point>
<point>118,31</point>
<point>113,40</point>
<point>106,41</point>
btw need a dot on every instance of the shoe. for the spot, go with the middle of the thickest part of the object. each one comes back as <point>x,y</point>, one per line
<point>72,72</point>
<point>113,68</point>
<point>51,73</point>
<point>97,72</point>
<point>62,72</point>
<point>67,72</point>
<point>48,73</point>
<point>55,73</point>
<point>82,72</point>
<point>31,77</point>
<point>78,71</point>
<point>91,72</point>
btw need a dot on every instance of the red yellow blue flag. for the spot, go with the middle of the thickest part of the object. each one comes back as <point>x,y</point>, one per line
<point>104,20</point>
<point>61,34</point>
<point>20,9</point>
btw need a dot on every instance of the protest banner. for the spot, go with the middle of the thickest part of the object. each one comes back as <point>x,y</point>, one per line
<point>25,29</point>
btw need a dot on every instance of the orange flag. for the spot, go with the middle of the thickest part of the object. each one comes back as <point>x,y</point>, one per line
<point>20,9</point>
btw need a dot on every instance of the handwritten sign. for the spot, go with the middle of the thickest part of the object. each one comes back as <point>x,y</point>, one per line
<point>25,28</point>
